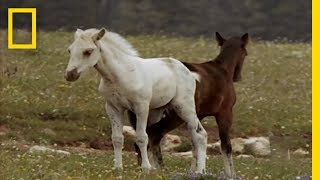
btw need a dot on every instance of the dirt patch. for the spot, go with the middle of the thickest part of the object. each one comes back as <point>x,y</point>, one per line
<point>4,129</point>
<point>101,144</point>
<point>106,144</point>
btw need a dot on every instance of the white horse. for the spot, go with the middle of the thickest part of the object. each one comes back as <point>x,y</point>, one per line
<point>144,86</point>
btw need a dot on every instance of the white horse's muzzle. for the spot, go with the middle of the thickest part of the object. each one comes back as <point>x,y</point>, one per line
<point>72,75</point>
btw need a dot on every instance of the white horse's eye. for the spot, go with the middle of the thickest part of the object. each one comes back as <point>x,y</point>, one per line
<point>87,52</point>
<point>69,51</point>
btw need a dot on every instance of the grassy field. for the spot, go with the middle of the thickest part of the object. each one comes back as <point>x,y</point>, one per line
<point>274,99</point>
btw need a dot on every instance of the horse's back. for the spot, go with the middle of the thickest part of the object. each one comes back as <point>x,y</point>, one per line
<point>167,67</point>
<point>213,86</point>
<point>162,81</point>
<point>169,76</point>
<point>208,69</point>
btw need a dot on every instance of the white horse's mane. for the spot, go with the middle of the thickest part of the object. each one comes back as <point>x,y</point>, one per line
<point>116,40</point>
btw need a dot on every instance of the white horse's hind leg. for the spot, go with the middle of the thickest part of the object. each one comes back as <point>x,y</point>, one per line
<point>141,134</point>
<point>201,136</point>
<point>194,160</point>
<point>115,117</point>
<point>186,110</point>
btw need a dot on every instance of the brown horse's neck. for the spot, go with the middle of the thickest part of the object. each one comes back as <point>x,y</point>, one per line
<point>226,60</point>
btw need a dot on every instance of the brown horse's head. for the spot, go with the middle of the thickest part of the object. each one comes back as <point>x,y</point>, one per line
<point>234,45</point>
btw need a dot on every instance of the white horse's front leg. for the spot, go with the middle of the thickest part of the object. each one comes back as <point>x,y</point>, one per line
<point>115,117</point>
<point>142,137</point>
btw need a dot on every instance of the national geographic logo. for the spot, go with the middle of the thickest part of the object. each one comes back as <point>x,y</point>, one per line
<point>33,44</point>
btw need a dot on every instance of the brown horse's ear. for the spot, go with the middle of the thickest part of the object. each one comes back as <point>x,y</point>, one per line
<point>245,39</point>
<point>219,39</point>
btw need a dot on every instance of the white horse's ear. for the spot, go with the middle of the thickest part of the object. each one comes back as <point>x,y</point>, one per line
<point>78,33</point>
<point>99,35</point>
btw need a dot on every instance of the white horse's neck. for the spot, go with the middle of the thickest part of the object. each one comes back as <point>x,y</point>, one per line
<point>114,64</point>
<point>117,60</point>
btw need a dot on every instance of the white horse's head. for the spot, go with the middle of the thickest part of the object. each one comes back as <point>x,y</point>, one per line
<point>84,52</point>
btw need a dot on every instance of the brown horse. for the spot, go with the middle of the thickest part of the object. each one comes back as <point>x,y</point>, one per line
<point>215,96</point>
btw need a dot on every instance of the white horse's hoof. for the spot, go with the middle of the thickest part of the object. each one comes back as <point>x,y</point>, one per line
<point>202,171</point>
<point>146,170</point>
<point>117,168</point>
<point>146,167</point>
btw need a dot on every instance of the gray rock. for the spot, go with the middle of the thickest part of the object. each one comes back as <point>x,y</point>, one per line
<point>238,145</point>
<point>169,142</point>
<point>300,152</point>
<point>214,147</point>
<point>43,149</point>
<point>187,154</point>
<point>48,131</point>
<point>129,131</point>
<point>244,156</point>
<point>257,146</point>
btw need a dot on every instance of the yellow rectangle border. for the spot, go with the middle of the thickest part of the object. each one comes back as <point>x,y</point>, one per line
<point>315,89</point>
<point>33,44</point>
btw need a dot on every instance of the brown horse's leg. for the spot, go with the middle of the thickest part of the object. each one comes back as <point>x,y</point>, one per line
<point>133,121</point>
<point>158,130</point>
<point>224,121</point>
<point>155,137</point>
